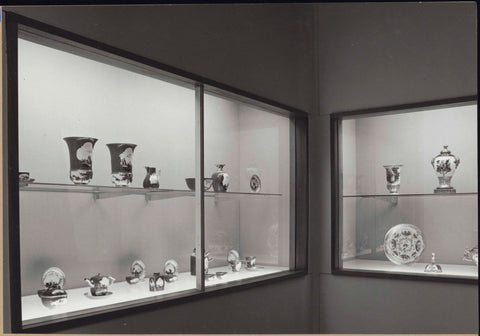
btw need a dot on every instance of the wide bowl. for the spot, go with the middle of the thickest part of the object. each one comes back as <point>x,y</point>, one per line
<point>207,183</point>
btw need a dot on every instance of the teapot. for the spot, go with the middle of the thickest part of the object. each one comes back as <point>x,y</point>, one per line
<point>99,284</point>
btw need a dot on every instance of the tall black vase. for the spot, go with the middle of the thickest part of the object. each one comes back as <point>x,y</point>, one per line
<point>80,150</point>
<point>121,155</point>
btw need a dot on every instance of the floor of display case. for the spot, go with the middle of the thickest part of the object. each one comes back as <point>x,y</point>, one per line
<point>448,270</point>
<point>80,302</point>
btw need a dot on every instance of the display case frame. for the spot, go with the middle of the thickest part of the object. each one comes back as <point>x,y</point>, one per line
<point>13,26</point>
<point>337,189</point>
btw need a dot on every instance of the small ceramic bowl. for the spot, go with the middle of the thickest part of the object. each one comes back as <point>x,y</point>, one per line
<point>207,183</point>
<point>251,262</point>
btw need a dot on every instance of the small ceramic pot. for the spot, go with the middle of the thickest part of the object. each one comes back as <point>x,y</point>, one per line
<point>221,179</point>
<point>99,284</point>
<point>251,262</point>
<point>207,183</point>
<point>445,165</point>
<point>236,266</point>
<point>152,178</point>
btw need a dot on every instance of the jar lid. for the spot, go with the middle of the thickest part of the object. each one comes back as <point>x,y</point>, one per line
<point>445,150</point>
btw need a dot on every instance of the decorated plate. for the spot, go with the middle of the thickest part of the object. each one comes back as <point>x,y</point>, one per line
<point>404,244</point>
<point>255,183</point>
<point>138,269</point>
<point>53,278</point>
<point>233,256</point>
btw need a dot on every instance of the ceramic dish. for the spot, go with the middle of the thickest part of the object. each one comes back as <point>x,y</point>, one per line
<point>404,244</point>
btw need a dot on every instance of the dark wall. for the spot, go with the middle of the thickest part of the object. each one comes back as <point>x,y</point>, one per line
<point>381,54</point>
<point>374,55</point>
<point>263,49</point>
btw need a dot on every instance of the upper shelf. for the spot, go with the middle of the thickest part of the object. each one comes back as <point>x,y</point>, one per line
<point>411,195</point>
<point>100,192</point>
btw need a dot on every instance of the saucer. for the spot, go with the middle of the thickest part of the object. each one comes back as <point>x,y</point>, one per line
<point>97,297</point>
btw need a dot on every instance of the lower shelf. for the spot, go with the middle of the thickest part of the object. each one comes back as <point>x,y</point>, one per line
<point>124,295</point>
<point>448,270</point>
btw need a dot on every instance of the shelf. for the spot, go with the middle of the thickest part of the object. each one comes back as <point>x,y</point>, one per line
<point>449,270</point>
<point>78,303</point>
<point>409,195</point>
<point>101,192</point>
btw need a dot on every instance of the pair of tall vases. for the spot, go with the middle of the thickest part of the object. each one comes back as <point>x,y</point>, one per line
<point>80,150</point>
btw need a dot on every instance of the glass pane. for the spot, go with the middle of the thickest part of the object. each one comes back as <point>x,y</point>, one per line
<point>417,168</point>
<point>247,208</point>
<point>94,211</point>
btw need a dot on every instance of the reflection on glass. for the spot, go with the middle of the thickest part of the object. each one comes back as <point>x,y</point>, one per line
<point>247,236</point>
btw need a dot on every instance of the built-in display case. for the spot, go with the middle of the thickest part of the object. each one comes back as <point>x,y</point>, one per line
<point>130,183</point>
<point>405,191</point>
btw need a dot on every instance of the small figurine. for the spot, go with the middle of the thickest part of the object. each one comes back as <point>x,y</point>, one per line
<point>251,263</point>
<point>433,267</point>
<point>236,266</point>
<point>99,284</point>
<point>193,261</point>
<point>171,270</point>
<point>471,254</point>
<point>138,272</point>
<point>233,259</point>
<point>156,282</point>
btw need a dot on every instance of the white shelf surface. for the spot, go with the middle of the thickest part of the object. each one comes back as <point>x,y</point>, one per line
<point>449,270</point>
<point>80,302</point>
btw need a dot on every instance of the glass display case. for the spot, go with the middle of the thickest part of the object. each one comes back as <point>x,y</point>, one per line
<point>130,185</point>
<point>405,194</point>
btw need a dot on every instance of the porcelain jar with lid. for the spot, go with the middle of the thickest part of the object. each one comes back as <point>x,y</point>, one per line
<point>445,165</point>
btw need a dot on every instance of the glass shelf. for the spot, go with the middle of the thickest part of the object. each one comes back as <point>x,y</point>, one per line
<point>410,195</point>
<point>100,192</point>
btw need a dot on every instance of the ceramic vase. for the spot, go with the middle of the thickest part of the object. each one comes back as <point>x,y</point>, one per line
<point>221,179</point>
<point>393,178</point>
<point>445,165</point>
<point>121,156</point>
<point>80,150</point>
<point>152,178</point>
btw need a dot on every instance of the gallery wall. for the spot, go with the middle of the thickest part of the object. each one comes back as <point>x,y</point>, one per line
<point>372,55</point>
